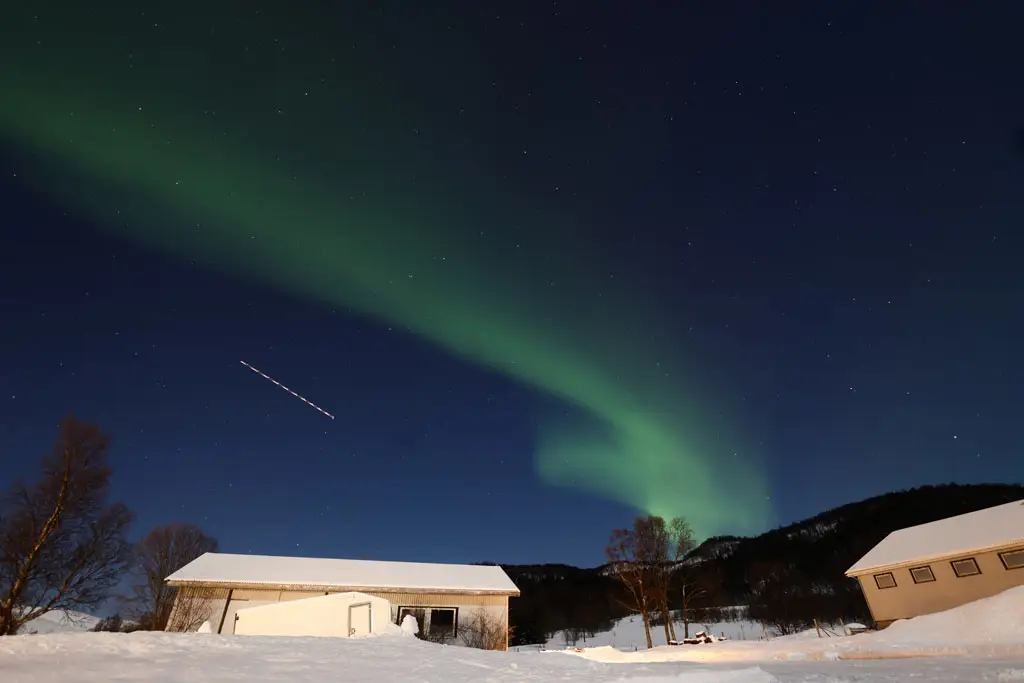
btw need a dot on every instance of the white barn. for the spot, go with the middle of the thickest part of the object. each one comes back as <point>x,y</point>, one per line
<point>447,599</point>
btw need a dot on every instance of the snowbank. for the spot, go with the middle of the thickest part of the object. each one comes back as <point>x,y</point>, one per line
<point>191,657</point>
<point>210,658</point>
<point>998,620</point>
<point>989,627</point>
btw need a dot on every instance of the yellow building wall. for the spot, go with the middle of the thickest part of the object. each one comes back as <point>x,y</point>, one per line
<point>909,599</point>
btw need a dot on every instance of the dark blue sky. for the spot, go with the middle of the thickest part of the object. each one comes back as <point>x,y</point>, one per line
<point>829,199</point>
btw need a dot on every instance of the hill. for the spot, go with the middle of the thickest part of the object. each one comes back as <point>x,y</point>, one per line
<point>59,622</point>
<point>787,577</point>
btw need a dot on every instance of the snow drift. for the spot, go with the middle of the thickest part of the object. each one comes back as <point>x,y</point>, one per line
<point>990,627</point>
<point>191,657</point>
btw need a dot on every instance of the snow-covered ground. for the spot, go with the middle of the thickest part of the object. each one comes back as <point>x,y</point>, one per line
<point>628,634</point>
<point>990,627</point>
<point>192,657</point>
<point>979,642</point>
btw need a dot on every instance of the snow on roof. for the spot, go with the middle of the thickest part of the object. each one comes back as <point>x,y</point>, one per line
<point>222,568</point>
<point>987,529</point>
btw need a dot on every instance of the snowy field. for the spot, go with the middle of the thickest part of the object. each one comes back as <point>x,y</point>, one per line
<point>993,627</point>
<point>979,642</point>
<point>191,658</point>
<point>628,634</point>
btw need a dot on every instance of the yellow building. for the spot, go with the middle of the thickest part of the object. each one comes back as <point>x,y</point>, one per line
<point>937,566</point>
<point>445,599</point>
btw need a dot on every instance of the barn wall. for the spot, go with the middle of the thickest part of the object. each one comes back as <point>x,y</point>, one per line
<point>191,608</point>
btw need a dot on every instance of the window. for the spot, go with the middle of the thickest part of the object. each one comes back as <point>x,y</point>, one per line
<point>967,567</point>
<point>442,623</point>
<point>886,580</point>
<point>1013,559</point>
<point>436,624</point>
<point>922,574</point>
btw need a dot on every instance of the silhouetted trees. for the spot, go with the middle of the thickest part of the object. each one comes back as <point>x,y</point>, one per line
<point>115,624</point>
<point>162,552</point>
<point>556,597</point>
<point>62,545</point>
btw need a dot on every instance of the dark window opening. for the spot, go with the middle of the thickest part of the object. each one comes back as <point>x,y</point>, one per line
<point>442,622</point>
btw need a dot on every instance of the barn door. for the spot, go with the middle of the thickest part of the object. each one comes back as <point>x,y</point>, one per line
<point>359,619</point>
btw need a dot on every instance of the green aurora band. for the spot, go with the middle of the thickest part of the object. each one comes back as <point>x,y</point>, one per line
<point>283,199</point>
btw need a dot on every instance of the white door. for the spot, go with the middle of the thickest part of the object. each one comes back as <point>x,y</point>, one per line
<point>359,619</point>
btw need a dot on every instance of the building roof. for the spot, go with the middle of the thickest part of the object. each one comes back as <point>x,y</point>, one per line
<point>984,530</point>
<point>265,570</point>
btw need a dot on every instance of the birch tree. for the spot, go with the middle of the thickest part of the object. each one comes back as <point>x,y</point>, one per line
<point>680,543</point>
<point>632,554</point>
<point>62,546</point>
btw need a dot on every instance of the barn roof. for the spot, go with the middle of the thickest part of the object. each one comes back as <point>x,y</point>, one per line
<point>984,530</point>
<point>223,569</point>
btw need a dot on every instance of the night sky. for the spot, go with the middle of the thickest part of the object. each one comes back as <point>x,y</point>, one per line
<point>548,264</point>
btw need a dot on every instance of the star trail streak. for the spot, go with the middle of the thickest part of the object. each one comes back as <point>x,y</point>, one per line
<point>293,393</point>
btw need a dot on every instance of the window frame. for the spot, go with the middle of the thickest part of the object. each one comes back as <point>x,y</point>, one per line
<point>1006,566</point>
<point>972,560</point>
<point>455,618</point>
<point>891,576</point>
<point>426,610</point>
<point>931,573</point>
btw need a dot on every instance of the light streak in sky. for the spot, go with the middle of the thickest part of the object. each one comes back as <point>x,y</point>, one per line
<point>296,395</point>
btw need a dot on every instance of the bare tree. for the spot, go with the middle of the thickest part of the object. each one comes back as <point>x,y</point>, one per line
<point>680,544</point>
<point>62,546</point>
<point>572,635</point>
<point>692,592</point>
<point>632,553</point>
<point>661,572</point>
<point>192,606</point>
<point>162,552</point>
<point>483,630</point>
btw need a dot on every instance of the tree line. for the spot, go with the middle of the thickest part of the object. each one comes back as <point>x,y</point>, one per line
<point>64,545</point>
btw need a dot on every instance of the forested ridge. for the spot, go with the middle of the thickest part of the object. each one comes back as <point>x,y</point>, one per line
<point>786,577</point>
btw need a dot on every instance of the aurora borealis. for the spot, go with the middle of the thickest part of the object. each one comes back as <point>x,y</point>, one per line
<point>549,267</point>
<point>136,156</point>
